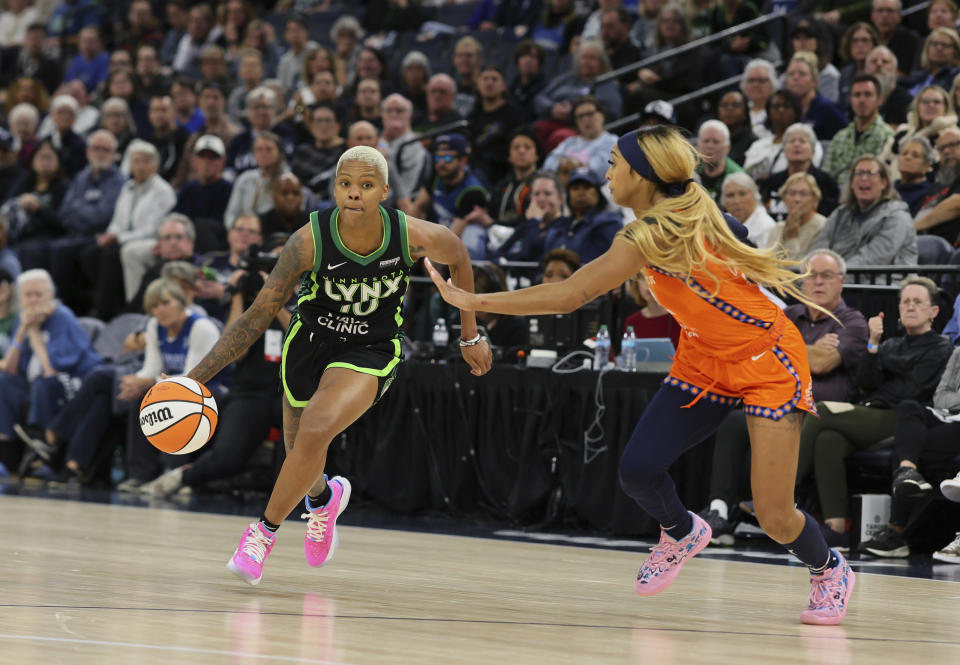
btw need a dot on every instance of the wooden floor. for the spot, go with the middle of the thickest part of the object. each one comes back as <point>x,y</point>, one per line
<point>88,583</point>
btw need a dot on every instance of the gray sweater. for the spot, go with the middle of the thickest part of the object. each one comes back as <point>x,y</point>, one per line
<point>883,235</point>
<point>947,395</point>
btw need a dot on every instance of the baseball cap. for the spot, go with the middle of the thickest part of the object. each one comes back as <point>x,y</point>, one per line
<point>659,109</point>
<point>212,143</point>
<point>587,175</point>
<point>452,142</point>
<point>804,27</point>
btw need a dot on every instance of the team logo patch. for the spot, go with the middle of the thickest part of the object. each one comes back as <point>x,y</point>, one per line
<point>386,263</point>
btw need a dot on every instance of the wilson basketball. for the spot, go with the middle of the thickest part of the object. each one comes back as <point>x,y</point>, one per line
<point>178,415</point>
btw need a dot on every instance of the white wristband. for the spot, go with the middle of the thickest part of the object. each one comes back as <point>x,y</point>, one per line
<point>470,342</point>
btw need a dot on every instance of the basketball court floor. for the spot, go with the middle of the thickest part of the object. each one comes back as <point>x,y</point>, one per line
<point>84,582</point>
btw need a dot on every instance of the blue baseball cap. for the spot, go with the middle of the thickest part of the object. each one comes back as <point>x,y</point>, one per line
<point>587,175</point>
<point>452,142</point>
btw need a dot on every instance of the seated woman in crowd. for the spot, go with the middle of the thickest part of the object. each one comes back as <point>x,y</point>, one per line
<point>249,411</point>
<point>116,118</point>
<point>803,223</point>
<point>741,198</point>
<point>857,42</point>
<point>48,356</point>
<point>799,148</point>
<point>765,156</point>
<point>939,61</point>
<point>901,368</point>
<point>591,145</point>
<point>800,80</point>
<point>871,227</point>
<point>253,189</point>
<point>930,113</point>
<point>921,435</point>
<point>732,111</point>
<point>758,83</point>
<point>544,207</point>
<point>914,164</point>
<point>32,209</point>
<point>174,338</point>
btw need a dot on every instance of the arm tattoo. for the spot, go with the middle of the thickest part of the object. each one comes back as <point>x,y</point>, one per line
<point>236,339</point>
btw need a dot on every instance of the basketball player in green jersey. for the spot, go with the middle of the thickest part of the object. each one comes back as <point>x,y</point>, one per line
<point>342,347</point>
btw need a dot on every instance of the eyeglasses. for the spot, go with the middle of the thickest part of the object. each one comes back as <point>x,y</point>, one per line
<point>801,193</point>
<point>758,80</point>
<point>585,115</point>
<point>446,159</point>
<point>170,237</point>
<point>940,44</point>
<point>916,302</point>
<point>865,174</point>
<point>826,275</point>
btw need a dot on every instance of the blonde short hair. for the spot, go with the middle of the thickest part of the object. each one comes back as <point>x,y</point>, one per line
<point>367,155</point>
<point>160,289</point>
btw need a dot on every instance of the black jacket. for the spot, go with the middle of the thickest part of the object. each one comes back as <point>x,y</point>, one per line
<point>905,367</point>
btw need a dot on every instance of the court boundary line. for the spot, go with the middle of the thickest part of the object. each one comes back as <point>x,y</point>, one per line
<point>495,622</point>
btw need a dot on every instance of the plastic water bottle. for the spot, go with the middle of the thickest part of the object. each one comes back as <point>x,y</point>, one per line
<point>628,350</point>
<point>601,353</point>
<point>441,337</point>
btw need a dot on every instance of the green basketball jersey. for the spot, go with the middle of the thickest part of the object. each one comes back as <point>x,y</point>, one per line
<point>351,298</point>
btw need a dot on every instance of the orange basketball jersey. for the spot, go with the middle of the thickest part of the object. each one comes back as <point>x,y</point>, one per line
<point>736,344</point>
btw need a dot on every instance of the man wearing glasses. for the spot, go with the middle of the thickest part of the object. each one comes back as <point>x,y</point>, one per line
<point>455,197</point>
<point>940,213</point>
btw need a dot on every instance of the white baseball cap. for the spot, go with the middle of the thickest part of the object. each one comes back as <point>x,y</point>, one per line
<point>212,143</point>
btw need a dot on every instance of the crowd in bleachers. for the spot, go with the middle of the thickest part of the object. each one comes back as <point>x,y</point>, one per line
<point>154,153</point>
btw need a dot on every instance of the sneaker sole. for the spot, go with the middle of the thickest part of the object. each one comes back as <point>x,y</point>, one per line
<point>946,558</point>
<point>832,621</point>
<point>344,500</point>
<point>897,553</point>
<point>233,568</point>
<point>911,490</point>
<point>951,490</point>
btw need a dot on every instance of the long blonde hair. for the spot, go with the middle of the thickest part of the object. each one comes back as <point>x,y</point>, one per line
<point>688,233</point>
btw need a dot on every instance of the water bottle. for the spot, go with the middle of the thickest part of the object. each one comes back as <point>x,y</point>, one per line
<point>440,337</point>
<point>628,350</point>
<point>601,353</point>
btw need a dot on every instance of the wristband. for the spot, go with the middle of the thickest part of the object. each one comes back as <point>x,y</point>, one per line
<point>470,342</point>
<point>872,347</point>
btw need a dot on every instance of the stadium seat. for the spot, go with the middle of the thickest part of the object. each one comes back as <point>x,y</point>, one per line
<point>933,250</point>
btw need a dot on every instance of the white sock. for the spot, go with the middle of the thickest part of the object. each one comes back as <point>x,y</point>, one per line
<point>720,506</point>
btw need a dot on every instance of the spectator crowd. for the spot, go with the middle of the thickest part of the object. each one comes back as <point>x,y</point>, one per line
<point>153,154</point>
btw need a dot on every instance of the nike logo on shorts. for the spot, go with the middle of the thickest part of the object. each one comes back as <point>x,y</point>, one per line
<point>758,356</point>
<point>330,267</point>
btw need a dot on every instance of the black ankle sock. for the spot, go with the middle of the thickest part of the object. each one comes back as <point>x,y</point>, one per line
<point>322,498</point>
<point>270,526</point>
<point>681,529</point>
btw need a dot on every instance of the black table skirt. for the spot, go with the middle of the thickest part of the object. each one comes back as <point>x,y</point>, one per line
<point>507,447</point>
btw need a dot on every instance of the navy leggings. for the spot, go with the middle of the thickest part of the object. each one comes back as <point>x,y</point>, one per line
<point>665,431</point>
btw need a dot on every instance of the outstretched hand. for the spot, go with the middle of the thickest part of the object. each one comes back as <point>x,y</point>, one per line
<point>462,300</point>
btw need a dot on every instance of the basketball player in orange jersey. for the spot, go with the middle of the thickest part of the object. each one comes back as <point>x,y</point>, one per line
<point>343,345</point>
<point>737,346</point>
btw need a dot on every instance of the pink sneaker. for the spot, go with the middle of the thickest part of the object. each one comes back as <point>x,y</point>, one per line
<point>321,540</point>
<point>668,556</point>
<point>829,595</point>
<point>254,547</point>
